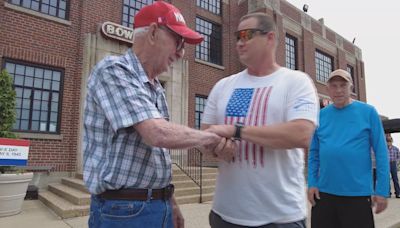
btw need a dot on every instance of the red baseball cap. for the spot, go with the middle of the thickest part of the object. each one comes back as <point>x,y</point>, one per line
<point>168,15</point>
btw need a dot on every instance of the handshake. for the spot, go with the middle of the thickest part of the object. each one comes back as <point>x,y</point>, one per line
<point>220,143</point>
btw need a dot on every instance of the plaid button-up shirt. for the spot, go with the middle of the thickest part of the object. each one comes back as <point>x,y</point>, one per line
<point>120,95</point>
<point>394,154</point>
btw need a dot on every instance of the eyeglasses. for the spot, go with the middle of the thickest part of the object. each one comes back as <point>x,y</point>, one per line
<point>180,42</point>
<point>248,34</point>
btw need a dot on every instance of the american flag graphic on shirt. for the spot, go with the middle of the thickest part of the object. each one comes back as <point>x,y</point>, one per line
<point>249,106</point>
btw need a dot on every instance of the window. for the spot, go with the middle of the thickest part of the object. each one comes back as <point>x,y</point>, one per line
<point>323,66</point>
<point>199,109</point>
<point>130,9</point>
<point>291,52</point>
<point>210,49</point>
<point>350,69</point>
<point>214,6</point>
<point>38,100</point>
<point>56,8</point>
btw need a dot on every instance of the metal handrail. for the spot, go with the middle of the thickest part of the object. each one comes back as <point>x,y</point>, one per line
<point>190,161</point>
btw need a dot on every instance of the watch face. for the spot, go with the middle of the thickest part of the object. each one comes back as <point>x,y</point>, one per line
<point>238,128</point>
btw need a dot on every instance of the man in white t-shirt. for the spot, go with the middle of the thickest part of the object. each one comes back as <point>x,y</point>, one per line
<point>272,112</point>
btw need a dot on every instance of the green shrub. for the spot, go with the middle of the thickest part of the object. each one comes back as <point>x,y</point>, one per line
<point>7,112</point>
<point>7,105</point>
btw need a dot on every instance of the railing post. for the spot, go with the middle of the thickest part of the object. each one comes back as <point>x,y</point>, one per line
<point>201,177</point>
<point>192,166</point>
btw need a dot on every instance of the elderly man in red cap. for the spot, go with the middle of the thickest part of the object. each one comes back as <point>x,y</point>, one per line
<point>127,168</point>
<point>339,165</point>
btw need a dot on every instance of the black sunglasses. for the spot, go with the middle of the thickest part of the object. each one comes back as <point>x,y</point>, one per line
<point>248,34</point>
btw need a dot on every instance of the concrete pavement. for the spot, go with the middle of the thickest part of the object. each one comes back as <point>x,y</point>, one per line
<point>36,215</point>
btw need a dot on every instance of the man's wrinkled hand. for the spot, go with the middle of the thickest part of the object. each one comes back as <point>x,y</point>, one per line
<point>225,150</point>
<point>380,203</point>
<point>211,143</point>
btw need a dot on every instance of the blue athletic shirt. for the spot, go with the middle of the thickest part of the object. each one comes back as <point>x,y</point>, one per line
<point>339,160</point>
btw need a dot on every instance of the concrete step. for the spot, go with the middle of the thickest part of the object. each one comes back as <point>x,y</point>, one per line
<point>62,207</point>
<point>189,183</point>
<point>194,198</point>
<point>182,176</point>
<point>193,191</point>
<point>74,183</point>
<point>73,195</point>
<point>79,176</point>
<point>176,170</point>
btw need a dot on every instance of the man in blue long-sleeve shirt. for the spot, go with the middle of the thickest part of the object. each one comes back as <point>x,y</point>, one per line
<point>340,170</point>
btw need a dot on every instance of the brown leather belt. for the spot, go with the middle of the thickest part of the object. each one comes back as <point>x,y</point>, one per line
<point>138,194</point>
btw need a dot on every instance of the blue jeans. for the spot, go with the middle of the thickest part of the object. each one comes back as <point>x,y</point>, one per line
<point>130,213</point>
<point>393,172</point>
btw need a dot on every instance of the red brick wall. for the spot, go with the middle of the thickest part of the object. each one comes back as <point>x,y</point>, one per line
<point>316,27</point>
<point>290,11</point>
<point>341,59</point>
<point>280,55</point>
<point>41,41</point>
<point>235,13</point>
<point>307,53</point>
<point>361,79</point>
<point>330,35</point>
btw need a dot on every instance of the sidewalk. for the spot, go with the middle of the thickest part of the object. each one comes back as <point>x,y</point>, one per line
<point>36,215</point>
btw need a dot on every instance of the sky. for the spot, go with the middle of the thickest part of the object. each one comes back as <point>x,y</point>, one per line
<point>376,27</point>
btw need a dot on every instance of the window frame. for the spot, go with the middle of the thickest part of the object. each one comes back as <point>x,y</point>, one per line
<point>198,113</point>
<point>200,47</point>
<point>207,5</point>
<point>40,4</point>
<point>328,71</point>
<point>60,96</point>
<point>295,47</point>
<point>129,10</point>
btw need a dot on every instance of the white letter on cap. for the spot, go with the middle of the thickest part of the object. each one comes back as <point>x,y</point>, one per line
<point>179,17</point>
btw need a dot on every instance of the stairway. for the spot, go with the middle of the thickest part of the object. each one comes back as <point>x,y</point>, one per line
<point>186,191</point>
<point>71,199</point>
<point>67,199</point>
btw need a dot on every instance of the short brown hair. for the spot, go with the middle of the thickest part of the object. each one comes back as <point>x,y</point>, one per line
<point>265,22</point>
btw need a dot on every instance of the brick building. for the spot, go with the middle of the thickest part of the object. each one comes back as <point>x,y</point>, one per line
<point>49,47</point>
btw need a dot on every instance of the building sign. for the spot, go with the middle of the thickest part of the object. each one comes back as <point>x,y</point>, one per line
<point>116,31</point>
<point>14,152</point>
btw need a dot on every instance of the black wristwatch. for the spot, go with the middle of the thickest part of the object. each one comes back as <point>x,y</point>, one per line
<point>238,131</point>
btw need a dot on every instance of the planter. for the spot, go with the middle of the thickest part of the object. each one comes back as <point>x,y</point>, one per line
<point>12,192</point>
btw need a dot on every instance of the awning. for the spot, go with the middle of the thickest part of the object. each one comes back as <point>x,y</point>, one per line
<point>391,126</point>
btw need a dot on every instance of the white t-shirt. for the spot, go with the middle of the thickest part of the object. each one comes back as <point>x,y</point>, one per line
<point>262,185</point>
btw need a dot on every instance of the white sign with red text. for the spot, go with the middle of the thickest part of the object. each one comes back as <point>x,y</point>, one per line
<point>14,152</point>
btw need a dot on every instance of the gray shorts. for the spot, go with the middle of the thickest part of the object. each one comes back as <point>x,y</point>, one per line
<point>217,222</point>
